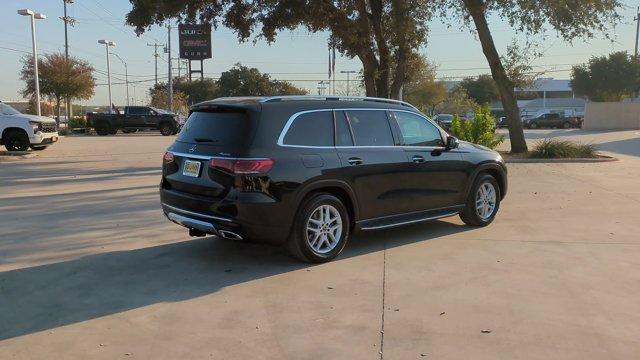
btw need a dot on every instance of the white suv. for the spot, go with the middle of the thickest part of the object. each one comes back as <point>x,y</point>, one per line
<point>19,131</point>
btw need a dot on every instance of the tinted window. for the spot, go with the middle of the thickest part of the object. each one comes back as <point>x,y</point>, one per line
<point>216,128</point>
<point>417,131</point>
<point>370,128</point>
<point>343,134</point>
<point>311,129</point>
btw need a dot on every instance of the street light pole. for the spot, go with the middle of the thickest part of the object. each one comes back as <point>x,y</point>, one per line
<point>108,43</point>
<point>348,72</point>
<point>67,20</point>
<point>126,75</point>
<point>170,82</point>
<point>34,16</point>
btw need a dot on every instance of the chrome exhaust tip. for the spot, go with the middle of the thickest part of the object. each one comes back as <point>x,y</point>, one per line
<point>230,235</point>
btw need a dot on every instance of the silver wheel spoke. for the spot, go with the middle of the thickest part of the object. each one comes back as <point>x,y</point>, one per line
<point>324,229</point>
<point>485,200</point>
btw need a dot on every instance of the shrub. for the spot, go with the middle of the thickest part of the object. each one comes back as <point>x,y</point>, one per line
<point>477,130</point>
<point>556,148</point>
<point>77,122</point>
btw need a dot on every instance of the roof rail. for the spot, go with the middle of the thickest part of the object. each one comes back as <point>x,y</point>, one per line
<point>335,98</point>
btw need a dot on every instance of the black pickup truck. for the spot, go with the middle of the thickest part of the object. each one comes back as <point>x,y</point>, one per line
<point>134,118</point>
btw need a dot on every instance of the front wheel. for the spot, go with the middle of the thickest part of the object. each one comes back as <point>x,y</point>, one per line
<point>103,129</point>
<point>567,125</point>
<point>16,140</point>
<point>533,125</point>
<point>320,230</point>
<point>483,202</point>
<point>166,129</point>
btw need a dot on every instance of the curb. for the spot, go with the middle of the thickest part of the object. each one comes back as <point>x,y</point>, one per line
<point>600,159</point>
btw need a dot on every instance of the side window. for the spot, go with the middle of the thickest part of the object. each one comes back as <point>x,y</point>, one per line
<point>343,133</point>
<point>417,131</point>
<point>311,129</point>
<point>137,110</point>
<point>370,128</point>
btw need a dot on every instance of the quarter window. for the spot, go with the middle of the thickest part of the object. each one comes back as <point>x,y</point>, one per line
<point>370,128</point>
<point>417,131</point>
<point>311,129</point>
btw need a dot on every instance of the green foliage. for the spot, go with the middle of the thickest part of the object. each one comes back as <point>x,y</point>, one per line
<point>197,90</point>
<point>77,122</point>
<point>423,90</point>
<point>607,78</point>
<point>160,99</point>
<point>456,102</point>
<point>477,130</point>
<point>557,149</point>
<point>244,81</point>
<point>482,89</point>
<point>383,34</point>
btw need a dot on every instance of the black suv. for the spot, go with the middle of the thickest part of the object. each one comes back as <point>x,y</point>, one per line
<point>308,171</point>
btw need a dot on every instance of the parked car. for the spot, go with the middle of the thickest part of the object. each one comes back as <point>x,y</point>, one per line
<point>552,120</point>
<point>19,132</point>
<point>307,172</point>
<point>134,118</point>
<point>444,120</point>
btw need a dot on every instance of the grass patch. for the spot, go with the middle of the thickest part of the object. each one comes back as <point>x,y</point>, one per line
<point>563,149</point>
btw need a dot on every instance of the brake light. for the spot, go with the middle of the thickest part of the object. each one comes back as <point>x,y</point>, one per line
<point>242,166</point>
<point>168,157</point>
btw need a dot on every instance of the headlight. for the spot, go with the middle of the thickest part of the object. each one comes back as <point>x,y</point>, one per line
<point>35,125</point>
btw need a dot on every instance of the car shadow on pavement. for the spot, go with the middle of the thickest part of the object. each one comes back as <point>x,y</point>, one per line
<point>49,296</point>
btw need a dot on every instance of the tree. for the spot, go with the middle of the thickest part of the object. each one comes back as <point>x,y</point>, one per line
<point>160,99</point>
<point>570,19</point>
<point>423,90</point>
<point>244,81</point>
<point>383,34</point>
<point>60,78</point>
<point>197,90</point>
<point>607,78</point>
<point>457,102</point>
<point>482,89</point>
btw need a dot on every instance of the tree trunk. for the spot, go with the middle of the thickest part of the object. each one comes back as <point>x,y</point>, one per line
<point>58,112</point>
<point>369,74</point>
<point>399,18</point>
<point>384,65</point>
<point>505,86</point>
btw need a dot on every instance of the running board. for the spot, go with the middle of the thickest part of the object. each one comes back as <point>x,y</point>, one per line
<point>406,219</point>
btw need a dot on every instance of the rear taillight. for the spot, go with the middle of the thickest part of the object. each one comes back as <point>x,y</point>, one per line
<point>168,157</point>
<point>242,166</point>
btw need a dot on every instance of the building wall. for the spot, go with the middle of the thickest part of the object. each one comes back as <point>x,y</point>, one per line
<point>612,116</point>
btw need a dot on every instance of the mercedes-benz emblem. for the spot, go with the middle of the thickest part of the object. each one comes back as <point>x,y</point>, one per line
<point>192,149</point>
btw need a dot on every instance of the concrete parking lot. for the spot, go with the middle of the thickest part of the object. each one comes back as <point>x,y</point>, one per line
<point>90,268</point>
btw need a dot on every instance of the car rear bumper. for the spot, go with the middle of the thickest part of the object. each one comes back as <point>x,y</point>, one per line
<point>227,218</point>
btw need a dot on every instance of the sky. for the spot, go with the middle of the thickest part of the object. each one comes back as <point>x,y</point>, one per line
<point>298,56</point>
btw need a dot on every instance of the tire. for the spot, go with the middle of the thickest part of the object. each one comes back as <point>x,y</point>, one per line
<point>533,125</point>
<point>103,129</point>
<point>317,246</point>
<point>474,216</point>
<point>113,131</point>
<point>567,125</point>
<point>166,129</point>
<point>16,140</point>
<point>37,148</point>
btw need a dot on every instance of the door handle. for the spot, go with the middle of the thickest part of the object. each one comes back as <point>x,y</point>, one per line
<point>355,161</point>
<point>418,159</point>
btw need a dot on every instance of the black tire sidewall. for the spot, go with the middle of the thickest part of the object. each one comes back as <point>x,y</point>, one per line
<point>300,227</point>
<point>166,129</point>
<point>20,137</point>
<point>470,209</point>
<point>103,129</point>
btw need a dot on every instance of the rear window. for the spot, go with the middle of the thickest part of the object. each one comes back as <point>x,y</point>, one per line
<point>311,129</point>
<point>217,128</point>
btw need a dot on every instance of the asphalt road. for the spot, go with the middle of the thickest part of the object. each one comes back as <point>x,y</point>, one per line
<point>90,268</point>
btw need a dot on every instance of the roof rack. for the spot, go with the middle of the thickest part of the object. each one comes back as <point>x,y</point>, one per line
<point>334,98</point>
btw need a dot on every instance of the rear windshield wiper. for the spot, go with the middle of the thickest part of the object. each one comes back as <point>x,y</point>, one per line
<point>204,140</point>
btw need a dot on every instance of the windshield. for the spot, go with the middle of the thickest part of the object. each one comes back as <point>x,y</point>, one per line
<point>8,110</point>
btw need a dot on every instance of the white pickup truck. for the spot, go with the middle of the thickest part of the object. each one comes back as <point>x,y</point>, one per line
<point>19,132</point>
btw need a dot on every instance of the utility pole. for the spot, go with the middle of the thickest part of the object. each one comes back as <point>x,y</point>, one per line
<point>348,72</point>
<point>637,19</point>
<point>67,20</point>
<point>156,56</point>
<point>170,82</point>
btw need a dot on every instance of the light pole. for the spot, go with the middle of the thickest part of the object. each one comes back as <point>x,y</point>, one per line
<point>34,16</point>
<point>108,43</point>
<point>348,72</point>
<point>126,75</point>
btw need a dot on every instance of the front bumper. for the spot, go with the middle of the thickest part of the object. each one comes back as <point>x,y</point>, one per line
<point>42,138</point>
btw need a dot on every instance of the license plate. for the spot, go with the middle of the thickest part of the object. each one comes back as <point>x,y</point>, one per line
<point>191,168</point>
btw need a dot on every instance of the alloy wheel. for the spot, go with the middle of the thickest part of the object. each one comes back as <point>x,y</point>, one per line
<point>486,201</point>
<point>324,229</point>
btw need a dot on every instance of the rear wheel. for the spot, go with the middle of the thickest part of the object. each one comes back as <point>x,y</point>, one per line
<point>483,201</point>
<point>566,125</point>
<point>16,140</point>
<point>166,129</point>
<point>533,125</point>
<point>103,129</point>
<point>320,230</point>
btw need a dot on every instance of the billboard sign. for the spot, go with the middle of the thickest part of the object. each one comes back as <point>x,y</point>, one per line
<point>195,41</point>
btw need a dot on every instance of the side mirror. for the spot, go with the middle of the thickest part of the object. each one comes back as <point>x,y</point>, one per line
<point>452,143</point>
